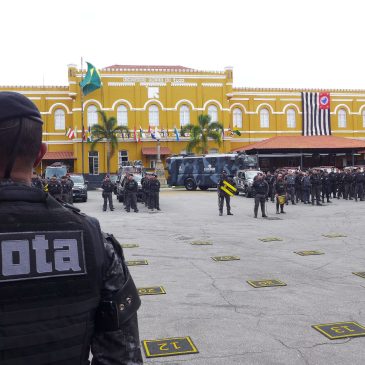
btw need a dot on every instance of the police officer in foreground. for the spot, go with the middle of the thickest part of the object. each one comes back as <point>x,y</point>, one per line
<point>64,285</point>
<point>261,190</point>
<point>222,195</point>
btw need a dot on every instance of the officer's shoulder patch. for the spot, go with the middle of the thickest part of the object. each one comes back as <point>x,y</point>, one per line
<point>42,254</point>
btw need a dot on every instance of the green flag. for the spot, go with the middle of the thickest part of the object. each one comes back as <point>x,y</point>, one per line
<point>91,81</point>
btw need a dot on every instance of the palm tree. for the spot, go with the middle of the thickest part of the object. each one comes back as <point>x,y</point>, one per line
<point>109,131</point>
<point>199,134</point>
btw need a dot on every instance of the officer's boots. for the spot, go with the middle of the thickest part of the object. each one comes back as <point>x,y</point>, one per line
<point>229,213</point>
<point>282,209</point>
<point>220,213</point>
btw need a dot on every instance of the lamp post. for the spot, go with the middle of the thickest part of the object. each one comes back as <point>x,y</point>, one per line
<point>159,168</point>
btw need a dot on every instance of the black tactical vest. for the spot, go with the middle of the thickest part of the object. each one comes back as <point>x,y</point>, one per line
<point>50,279</point>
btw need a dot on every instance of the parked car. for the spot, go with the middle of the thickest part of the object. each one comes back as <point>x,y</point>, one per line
<point>244,180</point>
<point>79,190</point>
<point>121,185</point>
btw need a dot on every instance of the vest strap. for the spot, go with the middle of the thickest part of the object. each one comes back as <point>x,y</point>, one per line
<point>33,315</point>
<point>49,357</point>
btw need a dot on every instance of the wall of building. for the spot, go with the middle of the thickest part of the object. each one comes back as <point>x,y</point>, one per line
<point>170,88</point>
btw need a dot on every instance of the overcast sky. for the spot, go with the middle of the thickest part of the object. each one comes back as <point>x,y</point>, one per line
<point>270,43</point>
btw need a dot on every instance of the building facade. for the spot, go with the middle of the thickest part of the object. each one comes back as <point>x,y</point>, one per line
<point>169,97</point>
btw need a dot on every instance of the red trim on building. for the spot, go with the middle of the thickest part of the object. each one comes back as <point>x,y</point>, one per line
<point>152,151</point>
<point>149,67</point>
<point>304,142</point>
<point>59,156</point>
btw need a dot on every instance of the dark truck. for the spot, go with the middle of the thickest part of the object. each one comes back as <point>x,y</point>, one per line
<point>204,171</point>
<point>56,169</point>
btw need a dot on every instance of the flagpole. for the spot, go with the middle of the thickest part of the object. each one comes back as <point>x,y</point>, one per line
<point>82,121</point>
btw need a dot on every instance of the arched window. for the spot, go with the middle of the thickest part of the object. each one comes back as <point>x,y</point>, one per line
<point>153,116</point>
<point>213,113</point>
<point>290,118</point>
<point>59,119</point>
<point>184,115</point>
<point>122,115</point>
<point>92,115</point>
<point>264,118</point>
<point>363,118</point>
<point>237,118</point>
<point>341,118</point>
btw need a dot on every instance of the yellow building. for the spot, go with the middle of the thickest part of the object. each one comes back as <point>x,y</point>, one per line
<point>168,97</point>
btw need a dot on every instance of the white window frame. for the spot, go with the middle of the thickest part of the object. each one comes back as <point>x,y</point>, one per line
<point>342,118</point>
<point>59,119</point>
<point>237,118</point>
<point>264,118</point>
<point>184,115</point>
<point>291,118</point>
<point>363,118</point>
<point>94,166</point>
<point>92,116</point>
<point>122,157</point>
<point>213,113</point>
<point>122,115</point>
<point>153,115</point>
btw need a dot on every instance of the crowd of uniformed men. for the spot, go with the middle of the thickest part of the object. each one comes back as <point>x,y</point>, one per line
<point>314,186</point>
<point>60,189</point>
<point>147,194</point>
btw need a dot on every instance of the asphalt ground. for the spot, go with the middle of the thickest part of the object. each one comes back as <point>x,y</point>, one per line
<point>229,321</point>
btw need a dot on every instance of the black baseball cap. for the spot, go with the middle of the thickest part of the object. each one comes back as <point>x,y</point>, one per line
<point>14,105</point>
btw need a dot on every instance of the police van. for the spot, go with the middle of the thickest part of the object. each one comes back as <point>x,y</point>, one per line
<point>204,171</point>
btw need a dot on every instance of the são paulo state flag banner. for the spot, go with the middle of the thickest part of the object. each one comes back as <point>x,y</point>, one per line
<point>316,114</point>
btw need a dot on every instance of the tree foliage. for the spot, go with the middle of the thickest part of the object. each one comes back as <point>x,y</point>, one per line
<point>108,131</point>
<point>202,132</point>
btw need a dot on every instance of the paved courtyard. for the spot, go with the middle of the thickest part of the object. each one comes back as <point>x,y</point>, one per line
<point>229,321</point>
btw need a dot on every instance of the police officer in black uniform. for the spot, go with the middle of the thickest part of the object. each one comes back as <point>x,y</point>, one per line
<point>270,179</point>
<point>222,195</point>
<point>55,188</point>
<point>326,187</point>
<point>37,182</point>
<point>280,193</point>
<point>145,189</point>
<point>66,188</point>
<point>108,188</point>
<point>131,189</point>
<point>359,185</point>
<point>64,285</point>
<point>348,180</point>
<point>290,187</point>
<point>316,185</point>
<point>154,193</point>
<point>261,190</point>
<point>333,182</point>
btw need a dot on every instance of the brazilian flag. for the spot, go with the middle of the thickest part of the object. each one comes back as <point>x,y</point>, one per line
<point>91,80</point>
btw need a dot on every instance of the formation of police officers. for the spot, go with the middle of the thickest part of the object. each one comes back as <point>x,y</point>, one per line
<point>149,194</point>
<point>60,189</point>
<point>315,186</point>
